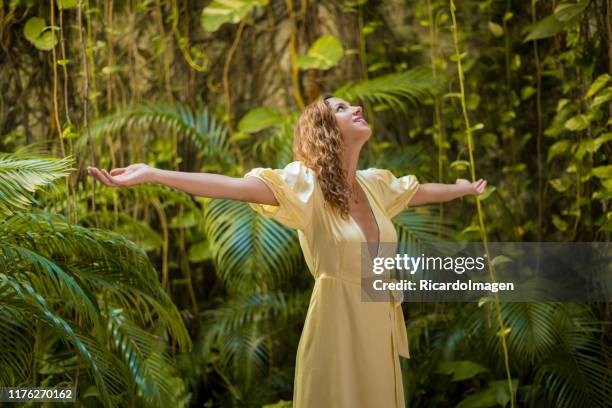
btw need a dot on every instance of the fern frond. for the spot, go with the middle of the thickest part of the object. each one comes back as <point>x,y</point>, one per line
<point>199,125</point>
<point>101,364</point>
<point>142,352</point>
<point>392,89</point>
<point>249,250</point>
<point>21,175</point>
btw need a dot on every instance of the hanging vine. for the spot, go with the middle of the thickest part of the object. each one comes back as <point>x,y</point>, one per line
<point>483,232</point>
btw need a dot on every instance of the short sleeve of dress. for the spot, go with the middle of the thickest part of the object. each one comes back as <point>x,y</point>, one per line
<point>393,192</point>
<point>294,189</point>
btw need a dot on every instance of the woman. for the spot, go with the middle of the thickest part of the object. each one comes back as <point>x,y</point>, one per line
<point>348,355</point>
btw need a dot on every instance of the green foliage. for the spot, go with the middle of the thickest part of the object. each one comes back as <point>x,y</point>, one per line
<point>21,175</point>
<point>496,393</point>
<point>79,302</point>
<point>67,4</point>
<point>461,370</point>
<point>259,119</point>
<point>389,91</point>
<point>53,275</point>
<point>220,12</point>
<point>325,53</point>
<point>41,36</point>
<point>566,15</point>
<point>249,250</point>
<point>199,126</point>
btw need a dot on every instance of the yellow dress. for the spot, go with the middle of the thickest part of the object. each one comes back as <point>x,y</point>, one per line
<point>348,354</point>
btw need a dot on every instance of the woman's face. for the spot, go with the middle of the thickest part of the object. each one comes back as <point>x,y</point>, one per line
<point>351,122</point>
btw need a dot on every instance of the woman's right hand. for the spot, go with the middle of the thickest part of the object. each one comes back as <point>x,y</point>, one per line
<point>123,176</point>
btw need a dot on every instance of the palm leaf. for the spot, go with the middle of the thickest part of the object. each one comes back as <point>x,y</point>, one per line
<point>16,343</point>
<point>50,278</point>
<point>249,250</point>
<point>94,259</point>
<point>100,363</point>
<point>392,89</point>
<point>244,328</point>
<point>535,329</point>
<point>577,374</point>
<point>22,175</point>
<point>199,125</point>
<point>142,352</point>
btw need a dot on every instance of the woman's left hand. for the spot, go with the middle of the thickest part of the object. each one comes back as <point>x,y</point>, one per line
<point>472,188</point>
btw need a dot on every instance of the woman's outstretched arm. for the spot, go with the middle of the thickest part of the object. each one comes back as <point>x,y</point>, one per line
<point>431,193</point>
<point>249,189</point>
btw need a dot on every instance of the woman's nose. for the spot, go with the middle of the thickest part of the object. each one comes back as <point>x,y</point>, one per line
<point>358,109</point>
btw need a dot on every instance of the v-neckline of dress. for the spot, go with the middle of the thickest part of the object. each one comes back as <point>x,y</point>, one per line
<point>365,239</point>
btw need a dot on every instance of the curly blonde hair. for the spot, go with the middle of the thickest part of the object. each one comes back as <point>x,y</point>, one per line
<point>318,144</point>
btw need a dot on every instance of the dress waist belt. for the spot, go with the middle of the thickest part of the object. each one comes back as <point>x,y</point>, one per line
<point>398,326</point>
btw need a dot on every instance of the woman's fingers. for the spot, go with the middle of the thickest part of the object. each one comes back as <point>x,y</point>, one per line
<point>117,171</point>
<point>111,179</point>
<point>480,186</point>
<point>101,177</point>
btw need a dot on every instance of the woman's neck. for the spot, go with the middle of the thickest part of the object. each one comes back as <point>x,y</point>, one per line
<point>349,165</point>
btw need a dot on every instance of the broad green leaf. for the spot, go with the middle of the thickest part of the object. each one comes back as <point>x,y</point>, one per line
<point>46,41</point>
<point>567,11</point>
<point>477,126</point>
<point>33,28</point>
<point>460,165</point>
<point>592,145</point>
<point>200,252</point>
<point>220,12</point>
<point>603,97</point>
<point>527,91</point>
<point>558,148</point>
<point>461,370</point>
<point>577,123</point>
<point>259,119</point>
<point>547,27</point>
<point>488,191</point>
<point>599,83</point>
<point>37,33</point>
<point>500,260</point>
<point>471,228</point>
<point>324,53</point>
<point>496,29</point>
<point>496,393</point>
<point>599,141</point>
<point>603,172</point>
